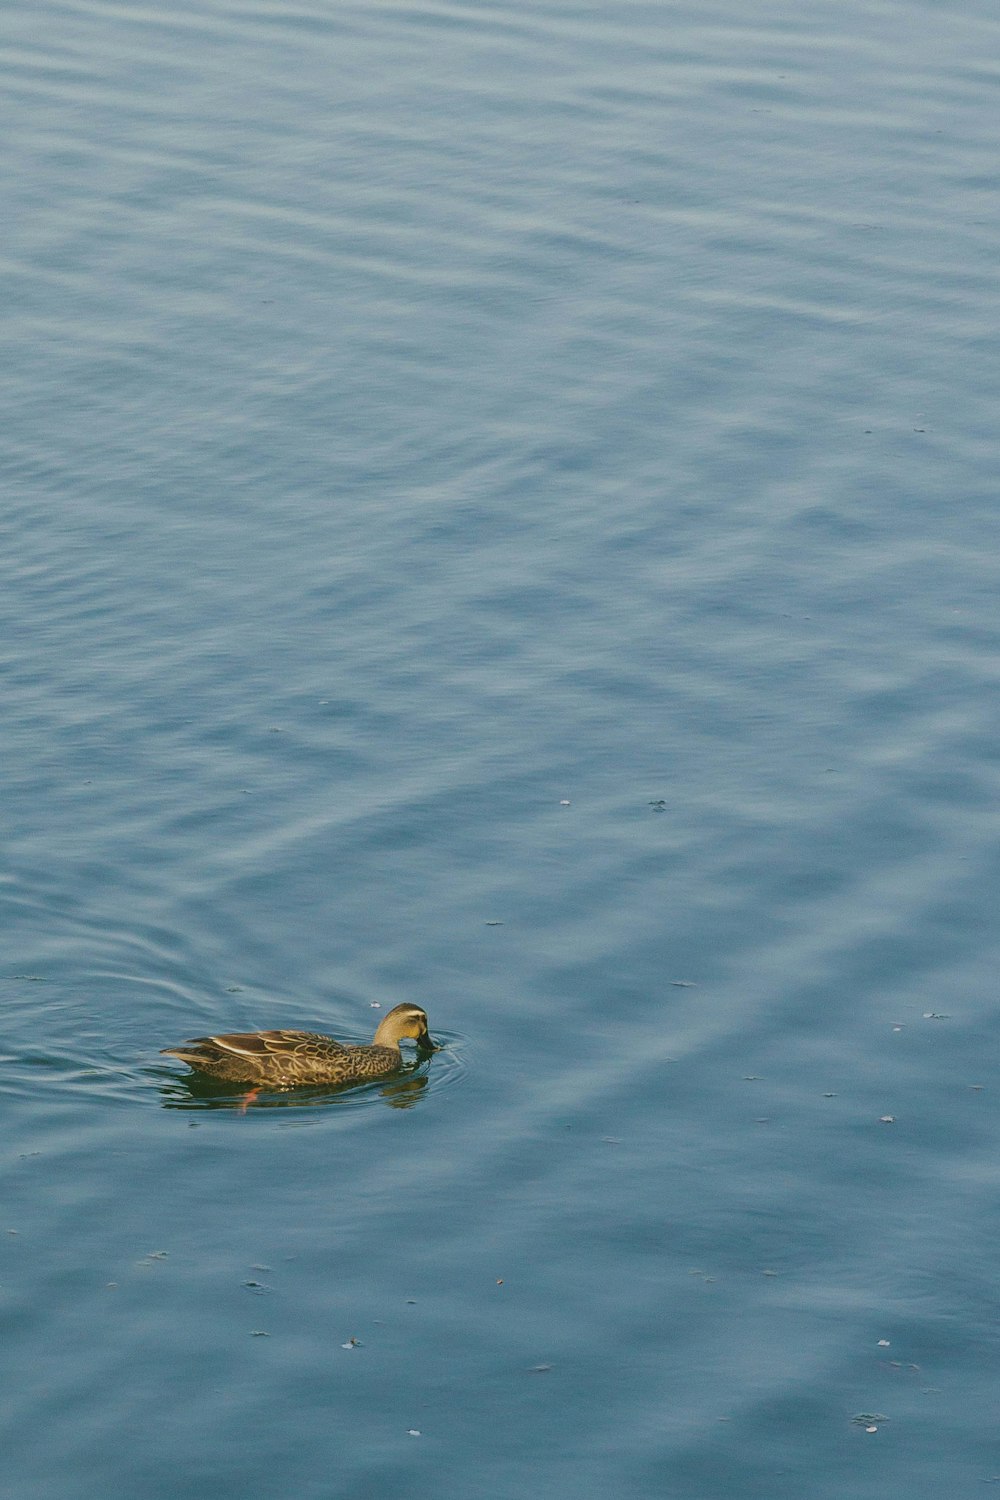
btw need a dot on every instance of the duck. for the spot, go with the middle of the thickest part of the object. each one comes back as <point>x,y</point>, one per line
<point>286,1059</point>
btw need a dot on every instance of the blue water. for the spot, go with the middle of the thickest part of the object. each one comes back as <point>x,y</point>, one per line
<point>500,512</point>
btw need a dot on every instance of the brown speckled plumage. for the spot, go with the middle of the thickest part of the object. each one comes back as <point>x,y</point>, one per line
<point>286,1058</point>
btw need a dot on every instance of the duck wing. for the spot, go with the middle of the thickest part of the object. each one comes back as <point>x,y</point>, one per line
<point>273,1053</point>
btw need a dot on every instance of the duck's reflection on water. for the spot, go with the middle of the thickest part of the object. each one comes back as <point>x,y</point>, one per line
<point>195,1091</point>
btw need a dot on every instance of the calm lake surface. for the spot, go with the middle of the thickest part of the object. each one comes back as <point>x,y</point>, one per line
<point>500,512</point>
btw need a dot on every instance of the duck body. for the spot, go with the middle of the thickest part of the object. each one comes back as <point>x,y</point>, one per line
<point>286,1059</point>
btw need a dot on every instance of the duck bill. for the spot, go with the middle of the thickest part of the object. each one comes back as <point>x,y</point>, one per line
<point>426,1045</point>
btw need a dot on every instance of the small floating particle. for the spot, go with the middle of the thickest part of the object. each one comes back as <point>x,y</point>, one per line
<point>683,984</point>
<point>111,1286</point>
<point>658,804</point>
<point>156,1255</point>
<point>829,1096</point>
<point>256,1286</point>
<point>565,802</point>
<point>259,1333</point>
<point>769,1273</point>
<point>887,1119</point>
<point>883,1343</point>
<point>411,1301</point>
<point>234,989</point>
<point>499,1281</point>
<point>413,1432</point>
<point>935,1015</point>
<point>976,1088</point>
<point>751,1077</point>
<point>352,1343</point>
<point>374,1005</point>
<point>493,924</point>
<point>539,1369</point>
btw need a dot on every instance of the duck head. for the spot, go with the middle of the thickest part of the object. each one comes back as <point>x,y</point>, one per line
<point>405,1021</point>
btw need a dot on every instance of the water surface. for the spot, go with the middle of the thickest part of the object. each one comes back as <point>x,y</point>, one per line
<point>500,513</point>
